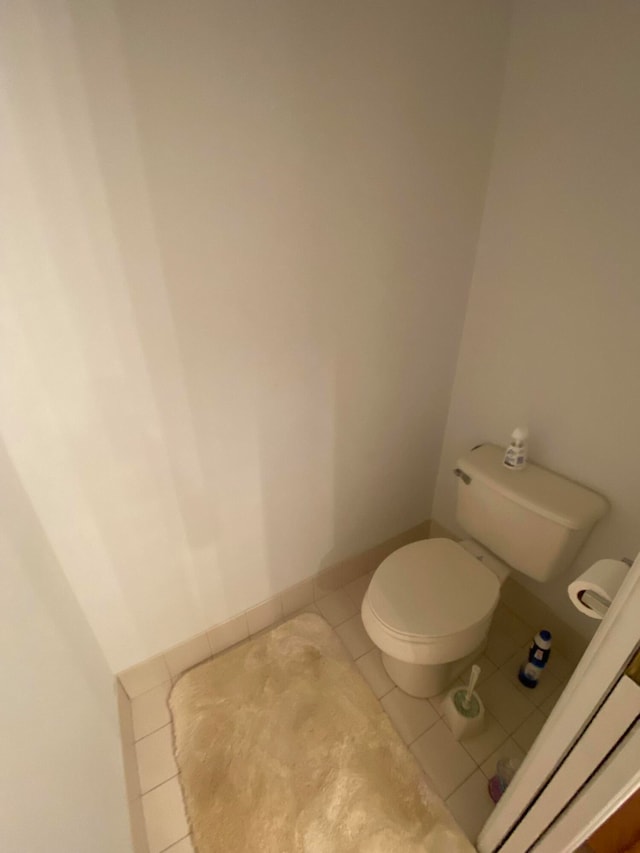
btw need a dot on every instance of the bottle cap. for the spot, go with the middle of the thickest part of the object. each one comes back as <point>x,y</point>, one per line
<point>543,639</point>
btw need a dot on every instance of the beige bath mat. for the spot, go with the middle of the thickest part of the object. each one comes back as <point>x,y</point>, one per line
<point>282,748</point>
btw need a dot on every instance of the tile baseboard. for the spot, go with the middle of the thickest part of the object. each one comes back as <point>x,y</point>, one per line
<point>336,592</point>
<point>169,665</point>
<point>172,662</point>
<point>339,575</point>
<point>131,779</point>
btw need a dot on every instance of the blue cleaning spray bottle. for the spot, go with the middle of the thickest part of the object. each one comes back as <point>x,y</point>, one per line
<point>539,652</point>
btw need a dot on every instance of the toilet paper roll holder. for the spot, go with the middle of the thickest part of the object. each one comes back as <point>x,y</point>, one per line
<point>596,602</point>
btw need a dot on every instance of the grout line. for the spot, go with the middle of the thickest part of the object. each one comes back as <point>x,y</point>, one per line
<point>466,779</point>
<point>480,763</point>
<point>429,727</point>
<point>379,698</point>
<point>173,843</point>
<point>498,668</point>
<point>155,787</point>
<point>279,621</point>
<point>338,624</point>
<point>148,734</point>
<point>144,737</point>
<point>166,681</point>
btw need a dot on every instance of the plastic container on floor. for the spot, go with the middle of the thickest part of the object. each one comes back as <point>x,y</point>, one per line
<point>505,771</point>
<point>539,652</point>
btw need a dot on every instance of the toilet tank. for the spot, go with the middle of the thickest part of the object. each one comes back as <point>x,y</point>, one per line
<point>533,519</point>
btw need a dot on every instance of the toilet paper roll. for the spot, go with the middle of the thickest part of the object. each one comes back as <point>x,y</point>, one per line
<point>604,578</point>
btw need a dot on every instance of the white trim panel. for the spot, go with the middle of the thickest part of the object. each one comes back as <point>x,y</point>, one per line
<point>615,782</point>
<point>600,667</point>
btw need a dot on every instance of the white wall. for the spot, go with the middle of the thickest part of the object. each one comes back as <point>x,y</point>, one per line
<point>551,332</point>
<point>237,269</point>
<point>61,779</point>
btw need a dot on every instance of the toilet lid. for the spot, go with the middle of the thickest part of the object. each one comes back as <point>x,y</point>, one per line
<point>432,588</point>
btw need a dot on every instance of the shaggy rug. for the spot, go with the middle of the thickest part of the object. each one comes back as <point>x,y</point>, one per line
<point>282,748</point>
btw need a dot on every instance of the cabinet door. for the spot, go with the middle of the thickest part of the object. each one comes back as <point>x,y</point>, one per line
<point>615,782</point>
<point>607,729</point>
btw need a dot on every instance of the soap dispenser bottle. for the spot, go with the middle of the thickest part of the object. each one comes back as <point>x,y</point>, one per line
<point>515,457</point>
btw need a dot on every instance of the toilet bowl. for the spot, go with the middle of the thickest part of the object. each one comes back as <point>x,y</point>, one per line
<point>428,608</point>
<point>429,604</point>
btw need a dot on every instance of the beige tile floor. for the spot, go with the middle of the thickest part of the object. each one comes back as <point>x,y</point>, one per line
<point>457,771</point>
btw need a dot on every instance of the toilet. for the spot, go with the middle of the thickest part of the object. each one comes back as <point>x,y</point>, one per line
<point>429,605</point>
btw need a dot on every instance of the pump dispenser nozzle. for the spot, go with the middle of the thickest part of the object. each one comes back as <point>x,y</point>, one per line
<point>515,457</point>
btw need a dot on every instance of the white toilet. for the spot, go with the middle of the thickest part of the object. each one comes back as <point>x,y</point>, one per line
<point>429,605</point>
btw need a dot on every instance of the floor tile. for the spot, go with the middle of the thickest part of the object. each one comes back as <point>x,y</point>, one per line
<point>151,711</point>
<point>156,763</point>
<point>507,621</point>
<point>410,716</point>
<point>559,666</point>
<point>264,615</point>
<point>549,704</point>
<point>481,746</point>
<point>471,805</point>
<point>511,667</point>
<point>487,668</point>
<point>557,671</point>
<point>374,673</point>
<point>329,580</point>
<point>357,588</point>
<point>437,702</point>
<point>505,702</point>
<point>164,816</point>
<point>308,608</point>
<point>183,846</point>
<point>145,676</point>
<point>500,647</point>
<point>297,597</point>
<point>228,634</point>
<point>546,685</point>
<point>353,635</point>
<point>337,607</point>
<point>509,749</point>
<point>443,759</point>
<point>525,734</point>
<point>188,654</point>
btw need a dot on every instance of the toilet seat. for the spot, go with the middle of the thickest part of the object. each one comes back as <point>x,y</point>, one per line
<point>430,602</point>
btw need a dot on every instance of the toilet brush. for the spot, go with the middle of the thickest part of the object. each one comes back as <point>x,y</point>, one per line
<point>463,708</point>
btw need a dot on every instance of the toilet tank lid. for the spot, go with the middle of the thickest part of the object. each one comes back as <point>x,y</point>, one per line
<point>542,491</point>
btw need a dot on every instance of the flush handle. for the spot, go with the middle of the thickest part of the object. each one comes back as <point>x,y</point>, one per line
<point>466,479</point>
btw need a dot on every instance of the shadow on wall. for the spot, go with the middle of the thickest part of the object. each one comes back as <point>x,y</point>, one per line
<point>39,569</point>
<point>103,450</point>
<point>377,237</point>
<point>237,288</point>
<point>61,752</point>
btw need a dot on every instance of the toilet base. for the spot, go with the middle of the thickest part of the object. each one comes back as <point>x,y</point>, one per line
<point>425,680</point>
